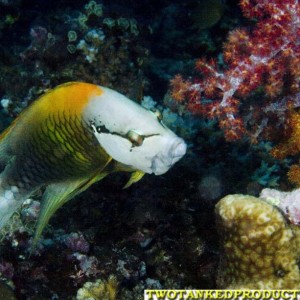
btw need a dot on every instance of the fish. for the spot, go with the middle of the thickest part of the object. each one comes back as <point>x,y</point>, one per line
<point>207,13</point>
<point>72,137</point>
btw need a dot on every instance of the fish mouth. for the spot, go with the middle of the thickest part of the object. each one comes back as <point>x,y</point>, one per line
<point>178,150</point>
<point>159,165</point>
<point>163,161</point>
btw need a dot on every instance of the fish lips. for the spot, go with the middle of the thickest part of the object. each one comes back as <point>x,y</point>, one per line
<point>162,162</point>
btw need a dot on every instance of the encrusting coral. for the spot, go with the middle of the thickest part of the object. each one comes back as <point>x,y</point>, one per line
<point>99,290</point>
<point>288,202</point>
<point>260,249</point>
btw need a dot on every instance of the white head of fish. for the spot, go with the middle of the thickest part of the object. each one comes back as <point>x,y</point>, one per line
<point>131,134</point>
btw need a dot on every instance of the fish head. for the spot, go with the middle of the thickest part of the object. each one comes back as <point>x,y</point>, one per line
<point>132,135</point>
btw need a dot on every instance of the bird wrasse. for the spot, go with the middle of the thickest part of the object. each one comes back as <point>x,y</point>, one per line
<point>72,137</point>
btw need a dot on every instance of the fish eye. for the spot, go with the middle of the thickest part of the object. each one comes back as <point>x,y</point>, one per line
<point>135,138</point>
<point>158,114</point>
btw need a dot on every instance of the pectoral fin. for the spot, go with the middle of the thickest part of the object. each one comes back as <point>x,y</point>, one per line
<point>135,177</point>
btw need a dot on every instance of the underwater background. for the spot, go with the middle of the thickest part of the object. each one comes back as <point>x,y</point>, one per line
<point>225,75</point>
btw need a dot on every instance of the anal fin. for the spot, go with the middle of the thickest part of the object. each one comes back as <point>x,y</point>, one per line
<point>56,195</point>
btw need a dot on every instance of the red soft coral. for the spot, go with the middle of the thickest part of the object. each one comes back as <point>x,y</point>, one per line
<point>265,56</point>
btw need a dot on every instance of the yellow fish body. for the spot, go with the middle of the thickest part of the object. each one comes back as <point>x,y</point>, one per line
<point>73,136</point>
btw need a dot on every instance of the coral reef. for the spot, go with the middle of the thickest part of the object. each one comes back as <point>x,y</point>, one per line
<point>84,49</point>
<point>162,233</point>
<point>261,250</point>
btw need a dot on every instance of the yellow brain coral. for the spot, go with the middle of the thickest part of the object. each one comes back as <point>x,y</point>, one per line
<point>260,250</point>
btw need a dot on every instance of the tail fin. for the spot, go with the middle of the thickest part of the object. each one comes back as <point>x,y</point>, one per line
<point>10,196</point>
<point>8,202</point>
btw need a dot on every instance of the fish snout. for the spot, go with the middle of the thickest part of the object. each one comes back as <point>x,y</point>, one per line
<point>173,151</point>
